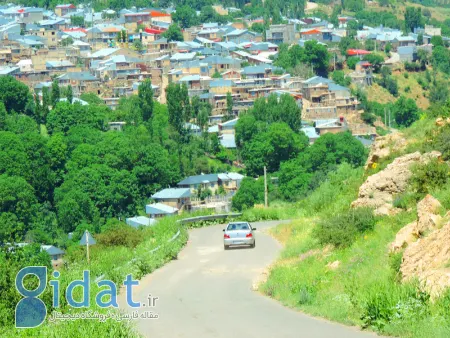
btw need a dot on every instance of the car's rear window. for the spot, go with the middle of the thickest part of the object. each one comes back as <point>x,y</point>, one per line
<point>238,226</point>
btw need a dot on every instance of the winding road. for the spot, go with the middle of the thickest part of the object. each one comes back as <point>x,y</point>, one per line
<point>207,293</point>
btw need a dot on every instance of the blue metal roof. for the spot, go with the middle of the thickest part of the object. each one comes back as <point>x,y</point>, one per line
<point>172,193</point>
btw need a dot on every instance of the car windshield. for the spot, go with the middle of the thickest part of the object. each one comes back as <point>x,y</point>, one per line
<point>237,226</point>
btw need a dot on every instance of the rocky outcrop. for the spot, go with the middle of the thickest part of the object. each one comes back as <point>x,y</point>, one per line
<point>379,189</point>
<point>440,122</point>
<point>428,219</point>
<point>382,146</point>
<point>427,258</point>
<point>427,215</point>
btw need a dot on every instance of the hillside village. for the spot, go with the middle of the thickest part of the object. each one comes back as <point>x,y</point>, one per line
<point>113,52</point>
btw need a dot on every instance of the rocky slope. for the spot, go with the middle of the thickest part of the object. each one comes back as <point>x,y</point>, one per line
<point>379,190</point>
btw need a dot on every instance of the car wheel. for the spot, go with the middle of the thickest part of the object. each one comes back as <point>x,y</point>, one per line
<point>225,247</point>
<point>254,244</point>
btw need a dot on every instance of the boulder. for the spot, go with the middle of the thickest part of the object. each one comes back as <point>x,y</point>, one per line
<point>333,265</point>
<point>379,189</point>
<point>427,258</point>
<point>427,215</point>
<point>440,122</point>
<point>404,237</point>
<point>428,218</point>
<point>382,146</point>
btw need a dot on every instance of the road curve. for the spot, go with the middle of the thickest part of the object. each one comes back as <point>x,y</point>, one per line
<point>207,293</point>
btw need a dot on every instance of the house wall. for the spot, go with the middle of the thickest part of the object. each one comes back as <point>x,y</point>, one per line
<point>221,90</point>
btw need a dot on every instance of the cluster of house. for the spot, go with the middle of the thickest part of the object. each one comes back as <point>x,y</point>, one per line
<point>172,201</point>
<point>102,57</point>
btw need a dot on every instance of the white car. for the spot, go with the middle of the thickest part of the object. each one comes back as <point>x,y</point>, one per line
<point>238,233</point>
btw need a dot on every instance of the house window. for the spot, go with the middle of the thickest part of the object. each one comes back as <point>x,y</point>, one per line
<point>212,185</point>
<point>55,257</point>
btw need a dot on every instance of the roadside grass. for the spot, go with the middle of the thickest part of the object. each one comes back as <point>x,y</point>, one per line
<point>114,263</point>
<point>360,283</point>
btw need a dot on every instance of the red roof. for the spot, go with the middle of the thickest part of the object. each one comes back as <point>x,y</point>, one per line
<point>357,52</point>
<point>313,31</point>
<point>77,29</point>
<point>21,10</point>
<point>156,14</point>
<point>153,31</point>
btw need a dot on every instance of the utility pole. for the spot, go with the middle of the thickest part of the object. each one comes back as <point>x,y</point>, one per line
<point>389,118</point>
<point>265,188</point>
<point>87,245</point>
<point>385,119</point>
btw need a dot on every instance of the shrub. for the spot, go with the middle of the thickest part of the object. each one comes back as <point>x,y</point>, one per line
<point>121,236</point>
<point>405,200</point>
<point>341,230</point>
<point>368,118</point>
<point>442,143</point>
<point>428,176</point>
<point>395,261</point>
<point>388,302</point>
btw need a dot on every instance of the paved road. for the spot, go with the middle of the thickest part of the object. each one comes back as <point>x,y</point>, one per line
<point>207,293</point>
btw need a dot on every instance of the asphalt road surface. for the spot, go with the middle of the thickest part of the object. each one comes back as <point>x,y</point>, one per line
<point>208,292</point>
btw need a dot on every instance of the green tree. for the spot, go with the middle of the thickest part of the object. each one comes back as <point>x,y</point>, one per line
<point>3,114</point>
<point>68,41</point>
<point>177,102</point>
<point>440,59</point>
<point>369,44</point>
<point>388,48</point>
<point>173,33</point>
<point>258,28</point>
<point>138,46</point>
<point>375,59</point>
<point>145,94</point>
<point>251,192</point>
<point>229,105</point>
<point>46,102</point>
<point>16,96</point>
<point>17,197</point>
<point>420,39</point>
<point>352,61</point>
<point>56,93</point>
<point>347,43</point>
<point>405,111</point>
<point>413,18</point>
<point>437,40</point>
<point>340,78</point>
<point>185,16</point>
<point>246,129</point>
<point>69,94</point>
<point>77,21</point>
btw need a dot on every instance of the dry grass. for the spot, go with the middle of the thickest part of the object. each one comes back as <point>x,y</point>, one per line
<point>379,94</point>
<point>399,10</point>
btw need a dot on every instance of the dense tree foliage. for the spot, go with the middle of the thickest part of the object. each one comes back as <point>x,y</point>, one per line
<point>312,54</point>
<point>174,33</point>
<point>82,173</point>
<point>302,174</point>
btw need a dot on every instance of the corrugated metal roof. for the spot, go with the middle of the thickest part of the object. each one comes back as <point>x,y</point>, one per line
<point>172,193</point>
